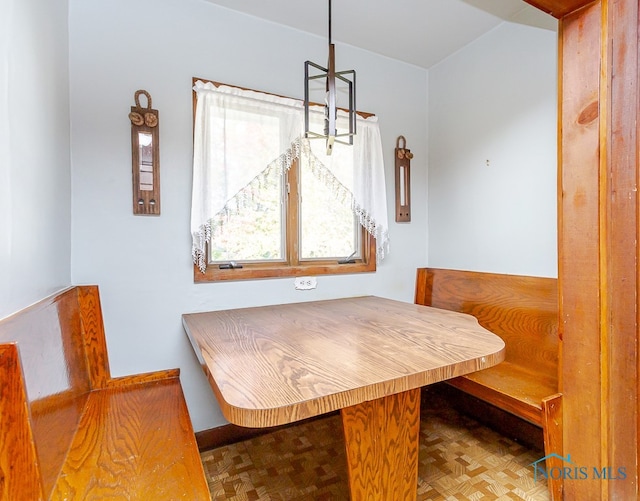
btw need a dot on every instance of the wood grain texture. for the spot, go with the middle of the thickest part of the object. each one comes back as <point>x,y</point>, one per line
<point>458,460</point>
<point>558,8</point>
<point>18,470</point>
<point>49,339</point>
<point>552,428</point>
<point>95,343</point>
<point>579,247</point>
<point>620,225</point>
<point>381,438</point>
<point>524,312</point>
<point>599,244</point>
<point>67,402</point>
<point>134,443</point>
<point>278,364</point>
<point>510,388</point>
<point>147,377</point>
<point>54,421</point>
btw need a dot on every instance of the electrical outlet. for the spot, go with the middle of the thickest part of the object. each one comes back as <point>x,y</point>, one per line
<point>305,283</point>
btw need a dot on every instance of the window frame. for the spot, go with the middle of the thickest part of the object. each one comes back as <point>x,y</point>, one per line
<point>292,266</point>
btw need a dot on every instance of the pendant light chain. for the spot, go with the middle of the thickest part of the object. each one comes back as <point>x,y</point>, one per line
<point>329,22</point>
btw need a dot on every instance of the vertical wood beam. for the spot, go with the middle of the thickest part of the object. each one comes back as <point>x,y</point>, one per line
<point>619,220</point>
<point>578,267</point>
<point>598,228</point>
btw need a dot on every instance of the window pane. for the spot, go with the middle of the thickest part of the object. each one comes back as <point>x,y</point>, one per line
<point>328,226</point>
<point>255,231</point>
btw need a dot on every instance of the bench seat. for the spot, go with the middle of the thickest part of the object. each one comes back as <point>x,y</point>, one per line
<point>69,431</point>
<point>523,311</point>
<point>511,387</point>
<point>132,442</point>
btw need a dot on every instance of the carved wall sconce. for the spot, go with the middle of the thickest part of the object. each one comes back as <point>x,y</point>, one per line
<point>145,157</point>
<point>403,181</point>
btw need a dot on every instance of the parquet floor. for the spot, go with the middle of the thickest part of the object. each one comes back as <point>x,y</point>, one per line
<point>460,460</point>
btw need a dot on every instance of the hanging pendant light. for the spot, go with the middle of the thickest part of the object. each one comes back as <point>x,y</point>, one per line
<point>330,75</point>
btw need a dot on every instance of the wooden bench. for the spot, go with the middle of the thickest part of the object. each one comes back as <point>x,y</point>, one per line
<point>69,431</point>
<point>523,311</point>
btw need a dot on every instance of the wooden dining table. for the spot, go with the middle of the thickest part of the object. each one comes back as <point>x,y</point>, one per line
<point>367,357</point>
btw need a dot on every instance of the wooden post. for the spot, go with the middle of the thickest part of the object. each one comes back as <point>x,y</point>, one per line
<point>598,272</point>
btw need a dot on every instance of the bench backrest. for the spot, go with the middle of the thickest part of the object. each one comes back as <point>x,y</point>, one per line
<point>51,355</point>
<point>522,310</point>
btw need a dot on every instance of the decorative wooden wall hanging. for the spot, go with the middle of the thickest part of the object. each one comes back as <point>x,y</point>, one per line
<point>145,157</point>
<point>403,181</point>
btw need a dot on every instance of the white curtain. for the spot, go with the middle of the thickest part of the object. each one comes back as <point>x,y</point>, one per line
<point>244,139</point>
<point>356,173</point>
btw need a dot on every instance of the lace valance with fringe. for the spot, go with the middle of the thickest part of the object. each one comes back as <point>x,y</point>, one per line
<point>220,191</point>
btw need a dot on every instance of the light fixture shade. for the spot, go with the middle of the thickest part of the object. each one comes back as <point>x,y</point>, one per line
<point>329,75</point>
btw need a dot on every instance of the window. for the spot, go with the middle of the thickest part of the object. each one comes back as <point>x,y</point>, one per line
<point>267,203</point>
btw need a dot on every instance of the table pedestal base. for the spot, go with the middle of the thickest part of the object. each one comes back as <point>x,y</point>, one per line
<point>381,438</point>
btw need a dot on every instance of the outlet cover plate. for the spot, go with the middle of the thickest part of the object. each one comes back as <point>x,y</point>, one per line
<point>305,283</point>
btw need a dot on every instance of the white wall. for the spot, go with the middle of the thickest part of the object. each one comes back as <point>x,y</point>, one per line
<point>35,188</point>
<point>143,264</point>
<point>495,102</point>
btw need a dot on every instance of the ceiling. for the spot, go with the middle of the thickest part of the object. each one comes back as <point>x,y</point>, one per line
<point>419,32</point>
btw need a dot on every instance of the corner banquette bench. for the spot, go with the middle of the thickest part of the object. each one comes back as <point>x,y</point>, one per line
<point>523,311</point>
<point>69,431</point>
